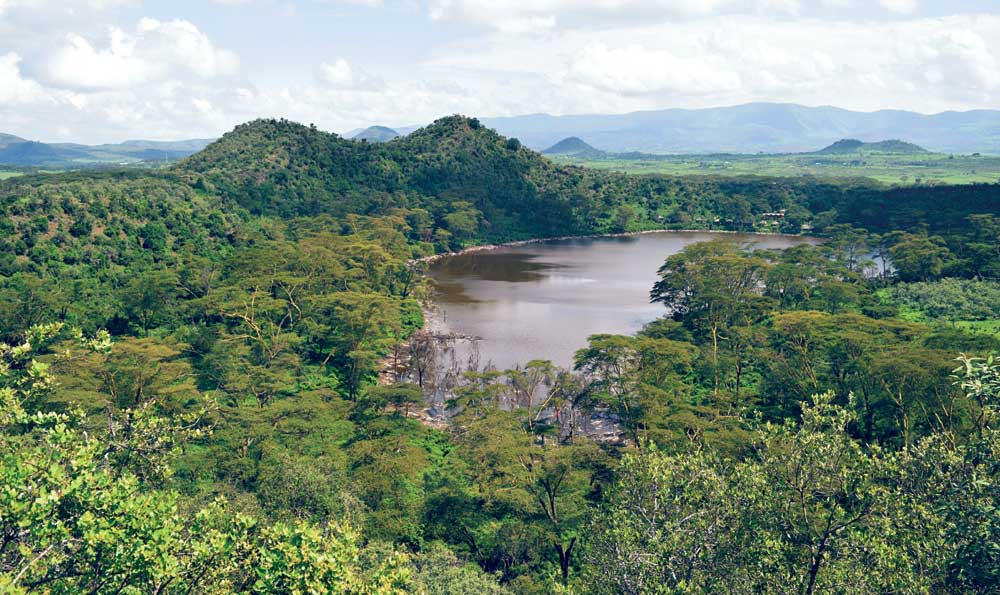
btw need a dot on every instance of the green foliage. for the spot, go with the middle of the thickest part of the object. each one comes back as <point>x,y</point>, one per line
<point>76,518</point>
<point>811,512</point>
<point>949,299</point>
<point>439,571</point>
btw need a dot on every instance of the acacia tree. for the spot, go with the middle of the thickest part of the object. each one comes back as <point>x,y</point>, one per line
<point>914,382</point>
<point>261,344</point>
<point>711,287</point>
<point>848,245</point>
<point>357,328</point>
<point>546,484</point>
<point>919,257</point>
<point>901,388</point>
<point>666,527</point>
<point>639,378</point>
<point>149,298</point>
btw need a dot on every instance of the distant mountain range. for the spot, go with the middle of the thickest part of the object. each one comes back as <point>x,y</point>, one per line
<point>749,128</point>
<point>577,148</point>
<point>20,152</point>
<point>756,127</point>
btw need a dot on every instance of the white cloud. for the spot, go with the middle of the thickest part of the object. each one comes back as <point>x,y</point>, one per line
<point>56,11</point>
<point>924,64</point>
<point>342,75</point>
<point>155,51</point>
<point>532,16</point>
<point>78,64</point>
<point>369,3</point>
<point>517,16</point>
<point>899,6</point>
<point>957,63</point>
<point>202,105</point>
<point>65,5</point>
<point>792,7</point>
<point>338,73</point>
<point>154,79</point>
<point>14,89</point>
<point>637,70</point>
<point>180,41</point>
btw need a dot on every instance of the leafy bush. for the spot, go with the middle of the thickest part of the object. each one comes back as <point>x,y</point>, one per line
<point>950,299</point>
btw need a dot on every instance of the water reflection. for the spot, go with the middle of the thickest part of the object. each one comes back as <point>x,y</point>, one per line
<point>542,301</point>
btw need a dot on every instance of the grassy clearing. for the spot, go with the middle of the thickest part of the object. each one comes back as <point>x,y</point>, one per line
<point>9,174</point>
<point>960,303</point>
<point>898,169</point>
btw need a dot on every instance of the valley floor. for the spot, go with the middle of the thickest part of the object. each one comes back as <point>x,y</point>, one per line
<point>903,170</point>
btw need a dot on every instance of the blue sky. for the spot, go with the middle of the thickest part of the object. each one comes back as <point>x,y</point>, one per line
<point>108,70</point>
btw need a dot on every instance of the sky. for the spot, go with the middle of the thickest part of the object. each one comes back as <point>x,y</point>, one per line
<point>109,70</point>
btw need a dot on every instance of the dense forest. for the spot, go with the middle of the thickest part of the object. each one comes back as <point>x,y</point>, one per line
<point>195,396</point>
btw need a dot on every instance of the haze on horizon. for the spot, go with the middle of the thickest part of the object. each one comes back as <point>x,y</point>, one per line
<point>107,70</point>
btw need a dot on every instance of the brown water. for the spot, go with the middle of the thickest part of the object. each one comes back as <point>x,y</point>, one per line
<point>542,300</point>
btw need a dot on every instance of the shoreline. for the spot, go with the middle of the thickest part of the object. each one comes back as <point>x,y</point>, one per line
<point>491,247</point>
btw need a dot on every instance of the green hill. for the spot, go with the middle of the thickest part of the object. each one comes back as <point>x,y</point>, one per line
<point>574,147</point>
<point>376,134</point>
<point>850,145</point>
<point>283,168</point>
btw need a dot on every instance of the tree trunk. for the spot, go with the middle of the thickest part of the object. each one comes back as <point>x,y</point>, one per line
<point>564,558</point>
<point>715,360</point>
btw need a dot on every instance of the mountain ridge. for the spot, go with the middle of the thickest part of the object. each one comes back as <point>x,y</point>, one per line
<point>756,127</point>
<point>17,151</point>
<point>741,129</point>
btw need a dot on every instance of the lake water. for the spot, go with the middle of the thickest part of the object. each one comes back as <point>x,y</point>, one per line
<point>542,300</point>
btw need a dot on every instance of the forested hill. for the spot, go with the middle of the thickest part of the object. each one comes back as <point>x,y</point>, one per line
<point>452,184</point>
<point>460,181</point>
<point>284,168</point>
<point>281,168</point>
